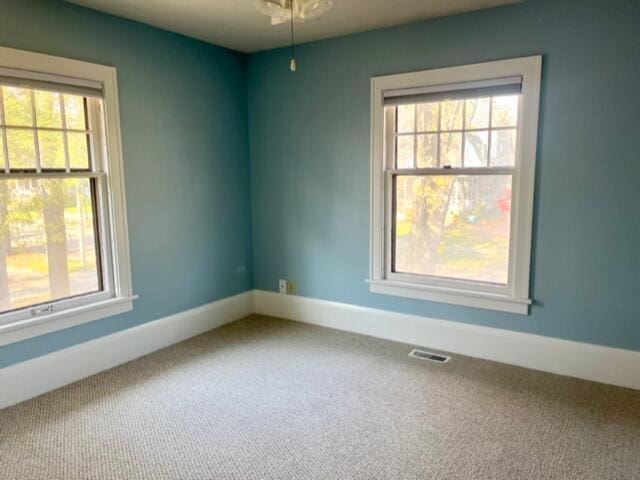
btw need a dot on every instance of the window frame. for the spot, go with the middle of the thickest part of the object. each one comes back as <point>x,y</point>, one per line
<point>117,293</point>
<point>514,297</point>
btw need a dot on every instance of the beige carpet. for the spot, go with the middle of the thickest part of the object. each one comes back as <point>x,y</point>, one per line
<point>266,398</point>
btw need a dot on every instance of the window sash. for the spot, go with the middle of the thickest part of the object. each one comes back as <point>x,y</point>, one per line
<point>391,134</point>
<point>436,280</point>
<point>91,110</point>
<point>100,228</point>
<point>391,172</point>
<point>100,206</point>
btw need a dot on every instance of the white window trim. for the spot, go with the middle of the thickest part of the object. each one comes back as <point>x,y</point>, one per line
<point>75,311</point>
<point>515,297</point>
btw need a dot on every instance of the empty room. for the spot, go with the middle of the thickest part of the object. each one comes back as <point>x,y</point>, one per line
<point>319,239</point>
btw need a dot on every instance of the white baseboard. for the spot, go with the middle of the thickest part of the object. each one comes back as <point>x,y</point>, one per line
<point>582,360</point>
<point>28,379</point>
<point>597,363</point>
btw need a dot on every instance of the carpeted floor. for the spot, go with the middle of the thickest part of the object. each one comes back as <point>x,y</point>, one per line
<point>267,398</point>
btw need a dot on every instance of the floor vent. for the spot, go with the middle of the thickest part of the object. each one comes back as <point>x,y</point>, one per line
<point>434,357</point>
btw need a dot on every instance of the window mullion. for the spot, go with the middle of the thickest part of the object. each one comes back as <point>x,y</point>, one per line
<point>415,136</point>
<point>394,161</point>
<point>65,139</point>
<point>490,131</point>
<point>439,134</point>
<point>464,126</point>
<point>5,150</point>
<point>35,131</point>
<point>4,132</point>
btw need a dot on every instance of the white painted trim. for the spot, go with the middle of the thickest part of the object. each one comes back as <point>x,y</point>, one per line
<point>582,360</point>
<point>382,280</point>
<point>112,203</point>
<point>597,363</point>
<point>28,379</point>
<point>485,300</point>
<point>42,324</point>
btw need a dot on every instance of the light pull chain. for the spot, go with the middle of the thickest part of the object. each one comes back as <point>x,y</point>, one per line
<point>292,64</point>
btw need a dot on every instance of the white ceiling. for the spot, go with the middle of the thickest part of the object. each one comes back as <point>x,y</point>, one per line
<point>238,25</point>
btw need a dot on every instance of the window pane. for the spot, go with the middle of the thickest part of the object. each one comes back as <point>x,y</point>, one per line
<point>74,112</point>
<point>427,154</point>
<point>17,106</point>
<point>47,244</point>
<point>78,150</point>
<point>51,149</point>
<point>503,148</point>
<point>404,156</point>
<point>451,115</point>
<point>476,145</point>
<point>477,113</point>
<point>505,111</point>
<point>451,149</point>
<point>48,109</point>
<point>427,117</point>
<point>406,118</point>
<point>453,226</point>
<point>22,149</point>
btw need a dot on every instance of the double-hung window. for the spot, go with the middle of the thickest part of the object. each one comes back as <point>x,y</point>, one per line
<point>453,156</point>
<point>63,247</point>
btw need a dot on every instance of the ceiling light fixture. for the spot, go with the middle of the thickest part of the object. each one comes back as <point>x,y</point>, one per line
<point>292,11</point>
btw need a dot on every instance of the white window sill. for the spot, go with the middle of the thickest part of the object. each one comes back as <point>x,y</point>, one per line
<point>486,301</point>
<point>42,324</point>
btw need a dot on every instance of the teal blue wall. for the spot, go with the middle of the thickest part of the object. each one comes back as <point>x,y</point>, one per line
<point>183,111</point>
<point>186,145</point>
<point>309,137</point>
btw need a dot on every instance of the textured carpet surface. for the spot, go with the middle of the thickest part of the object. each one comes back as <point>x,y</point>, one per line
<point>272,399</point>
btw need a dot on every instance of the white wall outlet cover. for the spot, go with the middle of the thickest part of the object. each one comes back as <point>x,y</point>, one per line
<point>282,286</point>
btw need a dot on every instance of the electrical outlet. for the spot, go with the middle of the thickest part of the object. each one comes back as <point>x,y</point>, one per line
<point>286,287</point>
